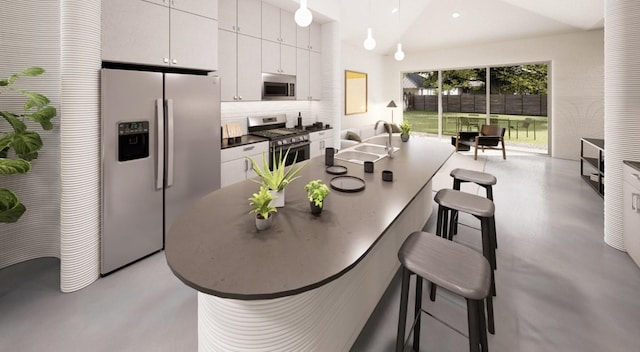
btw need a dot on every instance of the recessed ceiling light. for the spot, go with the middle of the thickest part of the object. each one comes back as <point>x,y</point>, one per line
<point>395,9</point>
<point>455,15</point>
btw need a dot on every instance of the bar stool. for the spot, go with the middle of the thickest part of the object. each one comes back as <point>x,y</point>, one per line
<point>452,266</point>
<point>481,208</point>
<point>482,179</point>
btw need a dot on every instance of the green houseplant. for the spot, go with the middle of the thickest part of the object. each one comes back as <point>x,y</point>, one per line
<point>19,145</point>
<point>280,177</point>
<point>405,128</point>
<point>316,192</point>
<point>261,203</point>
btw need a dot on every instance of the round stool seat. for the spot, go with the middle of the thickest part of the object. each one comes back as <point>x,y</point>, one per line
<point>481,178</point>
<point>465,202</point>
<point>447,264</point>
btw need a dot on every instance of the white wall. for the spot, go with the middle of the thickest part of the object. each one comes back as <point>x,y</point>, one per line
<point>576,85</point>
<point>30,36</point>
<point>375,66</point>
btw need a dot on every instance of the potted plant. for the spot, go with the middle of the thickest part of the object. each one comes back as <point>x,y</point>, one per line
<point>24,143</point>
<point>316,192</point>
<point>405,128</point>
<point>279,178</point>
<point>261,203</point>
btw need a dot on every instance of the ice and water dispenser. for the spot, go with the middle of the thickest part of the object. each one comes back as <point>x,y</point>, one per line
<point>133,140</point>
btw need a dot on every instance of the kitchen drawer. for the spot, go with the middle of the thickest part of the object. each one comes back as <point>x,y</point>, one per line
<point>631,175</point>
<point>242,151</point>
<point>316,136</point>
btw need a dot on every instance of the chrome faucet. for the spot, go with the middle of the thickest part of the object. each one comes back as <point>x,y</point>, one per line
<point>387,127</point>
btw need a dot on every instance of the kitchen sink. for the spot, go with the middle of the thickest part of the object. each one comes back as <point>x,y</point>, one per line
<point>382,140</point>
<point>373,148</point>
<point>363,152</point>
<point>358,157</point>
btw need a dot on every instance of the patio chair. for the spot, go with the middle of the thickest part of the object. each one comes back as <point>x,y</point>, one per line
<point>490,136</point>
<point>525,125</point>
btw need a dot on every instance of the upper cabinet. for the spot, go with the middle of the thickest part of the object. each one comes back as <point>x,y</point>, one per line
<point>206,8</point>
<point>278,58</point>
<point>278,25</point>
<point>240,75</point>
<point>140,32</point>
<point>309,75</point>
<point>310,37</point>
<point>242,16</point>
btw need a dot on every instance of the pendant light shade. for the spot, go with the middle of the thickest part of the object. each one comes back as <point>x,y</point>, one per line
<point>369,43</point>
<point>303,16</point>
<point>399,55</point>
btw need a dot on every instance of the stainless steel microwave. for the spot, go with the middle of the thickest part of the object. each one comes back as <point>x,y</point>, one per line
<point>278,87</point>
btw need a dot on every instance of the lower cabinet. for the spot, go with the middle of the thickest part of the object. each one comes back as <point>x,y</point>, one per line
<point>319,141</point>
<point>235,167</point>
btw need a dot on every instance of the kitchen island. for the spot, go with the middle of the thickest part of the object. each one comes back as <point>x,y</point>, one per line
<point>308,283</point>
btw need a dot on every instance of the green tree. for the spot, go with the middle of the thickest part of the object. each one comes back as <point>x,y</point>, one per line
<point>521,79</point>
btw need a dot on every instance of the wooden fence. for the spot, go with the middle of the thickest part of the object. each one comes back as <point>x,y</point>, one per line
<point>530,105</point>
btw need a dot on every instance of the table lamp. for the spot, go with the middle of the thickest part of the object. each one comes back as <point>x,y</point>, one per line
<point>392,104</point>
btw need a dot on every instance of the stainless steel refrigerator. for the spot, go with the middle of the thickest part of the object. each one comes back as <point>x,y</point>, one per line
<point>160,153</point>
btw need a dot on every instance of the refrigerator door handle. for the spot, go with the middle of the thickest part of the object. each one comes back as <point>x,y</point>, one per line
<point>160,139</point>
<point>170,142</point>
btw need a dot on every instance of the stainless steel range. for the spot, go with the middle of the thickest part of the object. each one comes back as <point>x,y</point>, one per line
<point>280,137</point>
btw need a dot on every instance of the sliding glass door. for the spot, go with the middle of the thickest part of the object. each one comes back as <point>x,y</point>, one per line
<point>515,98</point>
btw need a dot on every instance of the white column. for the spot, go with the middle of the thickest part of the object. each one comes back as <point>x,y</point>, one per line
<point>622,107</point>
<point>80,136</point>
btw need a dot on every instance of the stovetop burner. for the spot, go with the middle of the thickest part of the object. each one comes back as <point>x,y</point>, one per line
<point>274,129</point>
<point>279,133</point>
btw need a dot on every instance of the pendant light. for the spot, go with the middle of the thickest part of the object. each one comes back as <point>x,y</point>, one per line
<point>303,16</point>
<point>399,55</point>
<point>369,43</point>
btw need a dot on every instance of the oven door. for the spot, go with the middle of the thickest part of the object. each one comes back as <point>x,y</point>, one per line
<point>297,152</point>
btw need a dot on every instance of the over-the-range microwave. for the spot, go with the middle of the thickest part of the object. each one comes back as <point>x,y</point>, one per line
<point>278,87</point>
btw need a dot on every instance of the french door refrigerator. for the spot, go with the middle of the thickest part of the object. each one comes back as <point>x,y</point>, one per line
<point>160,153</point>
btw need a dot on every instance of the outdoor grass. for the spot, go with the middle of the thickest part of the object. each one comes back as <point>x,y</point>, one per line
<point>427,122</point>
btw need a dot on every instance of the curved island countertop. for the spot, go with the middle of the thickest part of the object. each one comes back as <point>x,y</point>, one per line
<point>215,248</point>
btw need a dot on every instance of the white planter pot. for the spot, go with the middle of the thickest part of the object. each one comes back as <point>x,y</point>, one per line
<point>263,224</point>
<point>279,201</point>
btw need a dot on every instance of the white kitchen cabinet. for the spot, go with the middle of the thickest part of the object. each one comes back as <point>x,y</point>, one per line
<point>631,211</point>
<point>206,8</point>
<point>309,75</point>
<point>239,69</point>
<point>309,37</point>
<point>278,58</point>
<point>278,25</point>
<point>242,16</point>
<point>140,32</point>
<point>235,167</point>
<point>319,141</point>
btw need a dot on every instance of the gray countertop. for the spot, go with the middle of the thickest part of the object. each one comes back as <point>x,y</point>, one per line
<point>215,248</point>
<point>242,140</point>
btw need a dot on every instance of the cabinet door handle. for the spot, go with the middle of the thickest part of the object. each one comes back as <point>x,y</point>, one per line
<point>165,60</point>
<point>321,134</point>
<point>174,61</point>
<point>246,165</point>
<point>636,176</point>
<point>635,202</point>
<point>238,29</point>
<point>248,148</point>
<point>240,97</point>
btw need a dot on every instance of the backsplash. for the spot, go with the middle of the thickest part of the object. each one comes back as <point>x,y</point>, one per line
<point>238,112</point>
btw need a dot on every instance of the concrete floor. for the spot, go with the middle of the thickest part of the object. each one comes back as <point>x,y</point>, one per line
<point>560,288</point>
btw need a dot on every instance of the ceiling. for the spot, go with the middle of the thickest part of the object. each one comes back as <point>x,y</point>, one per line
<point>422,25</point>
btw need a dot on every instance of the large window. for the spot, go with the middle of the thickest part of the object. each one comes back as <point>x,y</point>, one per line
<point>517,101</point>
